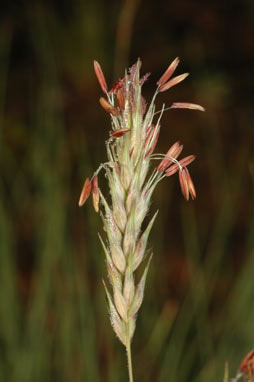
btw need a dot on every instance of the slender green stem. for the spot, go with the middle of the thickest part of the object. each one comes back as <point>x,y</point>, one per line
<point>128,349</point>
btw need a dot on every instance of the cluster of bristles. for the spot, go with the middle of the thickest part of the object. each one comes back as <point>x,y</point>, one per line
<point>130,149</point>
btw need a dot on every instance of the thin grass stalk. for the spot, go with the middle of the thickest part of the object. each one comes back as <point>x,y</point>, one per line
<point>130,150</point>
<point>129,359</point>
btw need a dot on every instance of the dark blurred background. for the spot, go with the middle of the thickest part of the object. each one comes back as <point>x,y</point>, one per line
<point>198,309</point>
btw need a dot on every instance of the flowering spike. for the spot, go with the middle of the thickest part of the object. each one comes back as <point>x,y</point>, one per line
<point>95,193</point>
<point>174,81</point>
<point>86,190</point>
<point>108,107</point>
<point>186,105</point>
<point>168,73</point>
<point>100,76</point>
<point>131,184</point>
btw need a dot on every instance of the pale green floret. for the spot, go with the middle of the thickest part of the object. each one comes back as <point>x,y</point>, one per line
<point>130,235</point>
<point>120,303</point>
<point>118,257</point>
<point>139,253</point>
<point>139,295</point>
<point>129,285</point>
<point>115,319</point>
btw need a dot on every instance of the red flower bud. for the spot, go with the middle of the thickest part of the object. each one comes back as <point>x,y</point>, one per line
<point>183,162</point>
<point>184,183</point>
<point>100,76</point>
<point>120,99</point>
<point>119,133</point>
<point>108,107</point>
<point>95,193</point>
<point>168,73</point>
<point>191,187</point>
<point>86,190</point>
<point>173,82</point>
<point>174,151</point>
<point>186,105</point>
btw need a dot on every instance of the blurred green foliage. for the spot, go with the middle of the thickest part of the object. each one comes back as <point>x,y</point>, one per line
<point>198,310</point>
